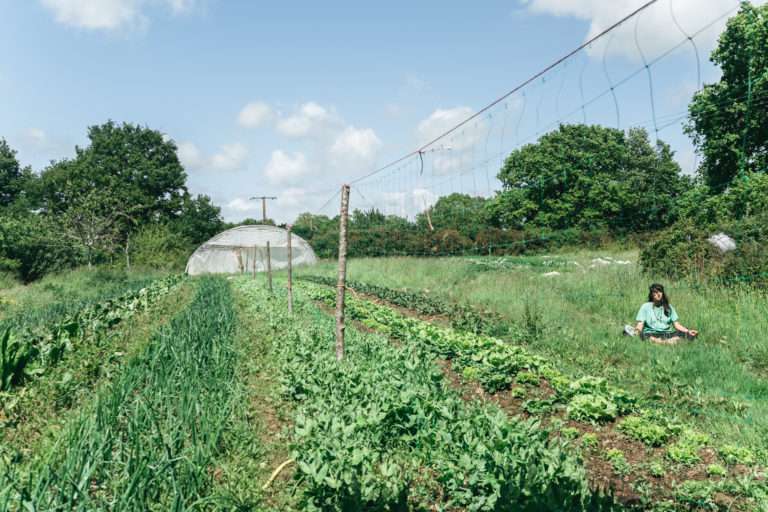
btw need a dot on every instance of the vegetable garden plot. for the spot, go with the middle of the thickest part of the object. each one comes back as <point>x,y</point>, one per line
<point>149,439</point>
<point>588,401</point>
<point>28,347</point>
<point>382,430</point>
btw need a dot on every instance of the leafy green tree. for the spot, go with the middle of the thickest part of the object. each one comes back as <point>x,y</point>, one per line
<point>128,176</point>
<point>198,220</point>
<point>459,212</point>
<point>590,177</point>
<point>13,178</point>
<point>727,119</point>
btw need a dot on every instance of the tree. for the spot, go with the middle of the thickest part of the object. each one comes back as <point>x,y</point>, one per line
<point>198,220</point>
<point>459,212</point>
<point>13,179</point>
<point>128,176</point>
<point>727,120</point>
<point>589,177</point>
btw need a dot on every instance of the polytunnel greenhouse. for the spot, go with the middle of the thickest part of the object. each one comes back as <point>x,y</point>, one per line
<point>244,249</point>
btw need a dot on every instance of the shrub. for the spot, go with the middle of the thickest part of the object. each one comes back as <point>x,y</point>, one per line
<point>158,246</point>
<point>683,251</point>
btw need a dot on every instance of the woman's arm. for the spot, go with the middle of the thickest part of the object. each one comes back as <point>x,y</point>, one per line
<point>680,327</point>
<point>639,327</point>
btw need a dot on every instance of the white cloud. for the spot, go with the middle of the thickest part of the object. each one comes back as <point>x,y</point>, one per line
<point>190,155</point>
<point>284,168</point>
<point>310,118</point>
<point>656,28</point>
<point>255,114</point>
<point>453,152</point>
<point>107,14</point>
<point>442,120</point>
<point>292,198</point>
<point>243,205</point>
<point>36,136</point>
<point>230,157</point>
<point>362,144</point>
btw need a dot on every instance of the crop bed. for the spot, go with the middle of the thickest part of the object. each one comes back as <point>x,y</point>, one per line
<point>382,430</point>
<point>587,410</point>
<point>28,347</point>
<point>148,439</point>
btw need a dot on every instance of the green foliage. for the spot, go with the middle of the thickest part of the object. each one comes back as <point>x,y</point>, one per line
<point>409,442</point>
<point>683,251</point>
<point>13,179</point>
<point>686,449</point>
<point>29,347</point>
<point>650,429</point>
<point>590,440</point>
<point>716,470</point>
<point>159,246</point>
<point>618,461</point>
<point>590,177</point>
<point>727,120</point>
<point>32,246</point>
<point>657,469</point>
<point>743,198</point>
<point>569,432</point>
<point>696,494</point>
<point>732,454</point>
<point>150,438</point>
<point>455,213</point>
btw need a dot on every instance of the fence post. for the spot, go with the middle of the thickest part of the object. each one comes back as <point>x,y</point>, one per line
<point>342,284</point>
<point>269,267</point>
<point>290,272</point>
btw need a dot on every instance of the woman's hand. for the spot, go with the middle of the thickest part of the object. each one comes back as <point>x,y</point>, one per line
<point>693,332</point>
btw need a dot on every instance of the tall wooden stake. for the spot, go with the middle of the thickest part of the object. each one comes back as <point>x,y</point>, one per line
<point>290,272</point>
<point>341,287</point>
<point>269,268</point>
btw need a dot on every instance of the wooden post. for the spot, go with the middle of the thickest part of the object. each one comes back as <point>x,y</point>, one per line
<point>341,287</point>
<point>290,272</point>
<point>253,263</point>
<point>269,268</point>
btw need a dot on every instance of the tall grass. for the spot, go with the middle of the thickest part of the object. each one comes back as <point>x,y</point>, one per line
<point>720,381</point>
<point>150,438</point>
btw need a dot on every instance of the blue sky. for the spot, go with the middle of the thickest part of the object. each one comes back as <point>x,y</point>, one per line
<point>293,99</point>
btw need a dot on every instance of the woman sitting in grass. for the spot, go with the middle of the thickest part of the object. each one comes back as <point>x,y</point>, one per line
<point>657,320</point>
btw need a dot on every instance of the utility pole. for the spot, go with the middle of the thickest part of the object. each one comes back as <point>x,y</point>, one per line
<point>263,205</point>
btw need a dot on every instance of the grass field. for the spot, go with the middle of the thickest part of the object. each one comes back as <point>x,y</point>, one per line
<point>575,319</point>
<point>206,394</point>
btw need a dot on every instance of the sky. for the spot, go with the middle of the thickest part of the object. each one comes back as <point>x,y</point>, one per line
<point>292,99</point>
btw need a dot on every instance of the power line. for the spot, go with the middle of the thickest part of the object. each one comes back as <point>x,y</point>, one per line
<point>508,94</point>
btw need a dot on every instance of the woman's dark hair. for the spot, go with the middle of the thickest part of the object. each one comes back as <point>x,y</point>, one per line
<point>656,287</point>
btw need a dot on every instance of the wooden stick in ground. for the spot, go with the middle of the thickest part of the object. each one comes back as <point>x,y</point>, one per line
<point>253,263</point>
<point>290,272</point>
<point>341,286</point>
<point>269,268</point>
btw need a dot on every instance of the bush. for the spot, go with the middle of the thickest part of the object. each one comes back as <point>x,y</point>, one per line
<point>743,198</point>
<point>158,246</point>
<point>683,251</point>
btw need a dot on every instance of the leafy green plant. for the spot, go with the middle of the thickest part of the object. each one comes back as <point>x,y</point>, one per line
<point>14,358</point>
<point>589,440</point>
<point>656,469</point>
<point>736,454</point>
<point>686,449</point>
<point>618,461</point>
<point>716,470</point>
<point>648,429</point>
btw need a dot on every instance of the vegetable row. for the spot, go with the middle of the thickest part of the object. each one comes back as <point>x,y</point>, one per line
<point>498,365</point>
<point>28,350</point>
<point>150,439</point>
<point>382,430</point>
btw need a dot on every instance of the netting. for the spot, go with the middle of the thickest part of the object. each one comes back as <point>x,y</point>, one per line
<point>244,249</point>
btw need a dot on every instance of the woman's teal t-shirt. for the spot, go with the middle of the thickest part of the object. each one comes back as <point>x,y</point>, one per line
<point>654,320</point>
